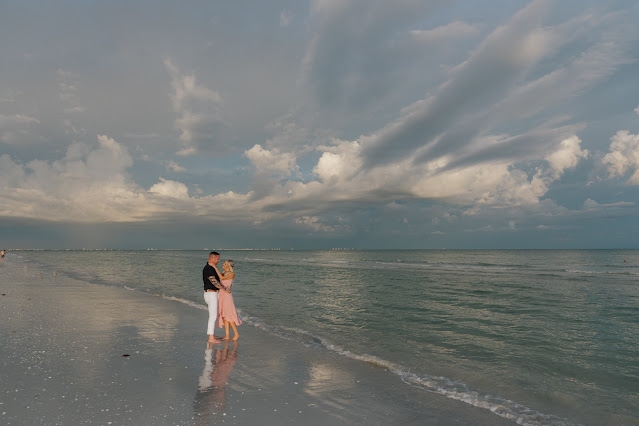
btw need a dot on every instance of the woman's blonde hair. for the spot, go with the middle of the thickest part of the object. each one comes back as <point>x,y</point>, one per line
<point>231,265</point>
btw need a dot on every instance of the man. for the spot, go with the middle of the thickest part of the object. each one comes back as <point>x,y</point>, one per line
<point>211,286</point>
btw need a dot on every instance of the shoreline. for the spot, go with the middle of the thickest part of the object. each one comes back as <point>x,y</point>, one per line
<point>75,352</point>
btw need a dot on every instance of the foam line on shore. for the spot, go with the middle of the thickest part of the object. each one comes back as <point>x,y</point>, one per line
<point>456,390</point>
<point>452,389</point>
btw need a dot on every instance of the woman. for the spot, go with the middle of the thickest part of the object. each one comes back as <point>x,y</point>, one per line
<point>226,313</point>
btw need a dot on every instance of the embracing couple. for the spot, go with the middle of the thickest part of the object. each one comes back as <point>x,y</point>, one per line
<point>217,294</point>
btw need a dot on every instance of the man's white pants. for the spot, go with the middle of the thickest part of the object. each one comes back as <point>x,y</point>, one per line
<point>210,297</point>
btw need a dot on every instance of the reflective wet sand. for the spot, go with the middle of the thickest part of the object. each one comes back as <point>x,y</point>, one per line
<point>75,353</point>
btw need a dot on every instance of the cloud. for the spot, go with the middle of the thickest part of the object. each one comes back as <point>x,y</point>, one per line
<point>91,185</point>
<point>591,205</point>
<point>442,147</point>
<point>339,163</point>
<point>286,16</point>
<point>315,224</point>
<point>446,32</point>
<point>12,173</point>
<point>271,160</point>
<point>68,92</point>
<point>173,166</point>
<point>351,60</point>
<point>413,112</point>
<point>290,133</point>
<point>459,124</point>
<point>14,129</point>
<point>200,113</point>
<point>566,156</point>
<point>459,110</point>
<point>343,177</point>
<point>623,157</point>
<point>87,185</point>
<point>170,188</point>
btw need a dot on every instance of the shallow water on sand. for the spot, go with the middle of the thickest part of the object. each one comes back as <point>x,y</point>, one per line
<point>536,336</point>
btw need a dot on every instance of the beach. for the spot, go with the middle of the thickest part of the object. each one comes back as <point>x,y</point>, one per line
<point>79,353</point>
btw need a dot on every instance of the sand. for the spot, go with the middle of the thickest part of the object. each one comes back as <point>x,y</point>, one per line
<point>76,353</point>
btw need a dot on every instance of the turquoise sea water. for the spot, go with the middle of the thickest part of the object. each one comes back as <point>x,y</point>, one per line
<point>537,336</point>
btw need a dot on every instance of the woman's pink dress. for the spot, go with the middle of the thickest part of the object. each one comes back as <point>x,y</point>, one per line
<point>226,306</point>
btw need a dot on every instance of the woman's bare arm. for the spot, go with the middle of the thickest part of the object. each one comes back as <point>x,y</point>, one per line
<point>228,276</point>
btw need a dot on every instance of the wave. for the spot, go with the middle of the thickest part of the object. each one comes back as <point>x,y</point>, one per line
<point>186,302</point>
<point>591,272</point>
<point>379,264</point>
<point>456,390</point>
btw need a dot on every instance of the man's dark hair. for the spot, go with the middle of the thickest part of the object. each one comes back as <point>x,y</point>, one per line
<point>214,253</point>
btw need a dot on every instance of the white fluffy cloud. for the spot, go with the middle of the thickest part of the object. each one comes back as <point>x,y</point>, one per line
<point>271,160</point>
<point>567,156</point>
<point>339,163</point>
<point>342,177</point>
<point>623,157</point>
<point>170,188</point>
<point>91,184</point>
<point>86,185</point>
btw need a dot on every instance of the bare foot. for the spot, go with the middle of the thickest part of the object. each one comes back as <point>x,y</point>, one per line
<point>214,340</point>
<point>235,337</point>
<point>226,338</point>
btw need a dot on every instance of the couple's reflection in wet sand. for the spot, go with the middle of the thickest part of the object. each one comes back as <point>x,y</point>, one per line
<point>210,400</point>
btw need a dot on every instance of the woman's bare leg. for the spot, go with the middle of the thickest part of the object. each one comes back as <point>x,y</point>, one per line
<point>226,330</point>
<point>235,333</point>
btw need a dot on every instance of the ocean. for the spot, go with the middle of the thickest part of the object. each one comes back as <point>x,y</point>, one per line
<point>541,337</point>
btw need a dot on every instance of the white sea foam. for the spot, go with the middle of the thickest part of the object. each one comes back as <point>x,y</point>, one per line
<point>502,407</point>
<point>590,272</point>
<point>171,298</point>
<point>186,302</point>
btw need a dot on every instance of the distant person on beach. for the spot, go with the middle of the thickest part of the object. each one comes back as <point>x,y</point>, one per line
<point>211,286</point>
<point>227,315</point>
<point>2,252</point>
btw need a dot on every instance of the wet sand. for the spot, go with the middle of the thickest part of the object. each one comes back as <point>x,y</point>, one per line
<point>79,353</point>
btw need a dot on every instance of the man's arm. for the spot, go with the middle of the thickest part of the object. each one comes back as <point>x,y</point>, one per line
<point>215,282</point>
<point>218,284</point>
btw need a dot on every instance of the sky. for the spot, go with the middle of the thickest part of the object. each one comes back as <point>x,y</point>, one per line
<point>366,124</point>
